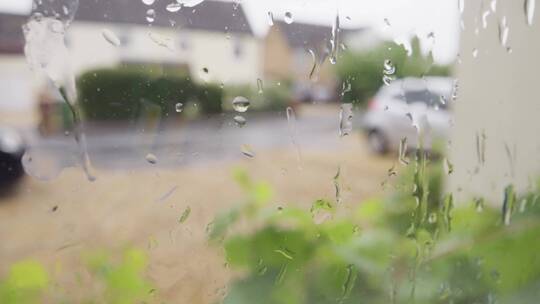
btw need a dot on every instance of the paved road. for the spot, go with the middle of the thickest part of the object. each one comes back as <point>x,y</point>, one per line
<point>213,139</point>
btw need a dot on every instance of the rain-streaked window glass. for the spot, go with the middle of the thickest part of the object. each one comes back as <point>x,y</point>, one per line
<point>286,151</point>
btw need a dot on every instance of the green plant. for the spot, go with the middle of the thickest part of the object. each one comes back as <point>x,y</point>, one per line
<point>372,255</point>
<point>119,94</point>
<point>119,281</point>
<point>25,283</point>
<point>364,70</point>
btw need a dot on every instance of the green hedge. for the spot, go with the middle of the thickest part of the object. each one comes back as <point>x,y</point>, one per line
<point>272,98</point>
<point>118,94</point>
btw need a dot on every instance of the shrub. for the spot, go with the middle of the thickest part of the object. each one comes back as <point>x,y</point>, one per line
<point>272,98</point>
<point>119,94</point>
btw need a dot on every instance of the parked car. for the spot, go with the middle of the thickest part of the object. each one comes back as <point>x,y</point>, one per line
<point>407,108</point>
<point>12,149</point>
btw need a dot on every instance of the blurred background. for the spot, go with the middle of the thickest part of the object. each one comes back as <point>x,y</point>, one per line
<point>129,128</point>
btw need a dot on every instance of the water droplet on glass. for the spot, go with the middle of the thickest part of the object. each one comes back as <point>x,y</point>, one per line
<point>270,18</point>
<point>334,41</point>
<point>312,74</point>
<point>239,121</point>
<point>345,119</point>
<point>162,41</point>
<point>448,166</point>
<point>475,52</point>
<point>260,85</point>
<point>151,158</point>
<point>461,6</point>
<point>190,3</point>
<point>432,219</point>
<point>493,5</point>
<point>179,107</point>
<point>291,122</point>
<point>485,15</point>
<point>240,104</point>
<point>288,18</point>
<point>148,2</point>
<point>403,151</point>
<point>174,7</point>
<point>150,15</point>
<point>387,22</point>
<point>479,204</point>
<point>508,204</point>
<point>388,72</point>
<point>529,11</point>
<point>111,37</point>
<point>185,215</point>
<point>247,151</point>
<point>41,166</point>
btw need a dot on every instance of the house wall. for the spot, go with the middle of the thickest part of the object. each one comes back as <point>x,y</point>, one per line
<point>198,49</point>
<point>277,57</point>
<point>498,97</point>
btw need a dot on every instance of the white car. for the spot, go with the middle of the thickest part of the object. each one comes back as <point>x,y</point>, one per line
<point>407,109</point>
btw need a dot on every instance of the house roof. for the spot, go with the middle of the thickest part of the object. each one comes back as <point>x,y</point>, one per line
<point>309,36</point>
<point>213,16</point>
<point>209,15</point>
<point>11,34</point>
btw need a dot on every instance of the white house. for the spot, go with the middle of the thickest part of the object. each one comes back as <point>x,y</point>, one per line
<point>212,40</point>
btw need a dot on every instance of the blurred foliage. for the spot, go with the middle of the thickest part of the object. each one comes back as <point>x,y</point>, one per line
<point>270,98</point>
<point>414,246</point>
<point>118,94</point>
<point>364,70</point>
<point>25,283</point>
<point>112,281</point>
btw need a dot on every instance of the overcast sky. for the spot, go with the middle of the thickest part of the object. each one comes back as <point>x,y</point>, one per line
<point>406,17</point>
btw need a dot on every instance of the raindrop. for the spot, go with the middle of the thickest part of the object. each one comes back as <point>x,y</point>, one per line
<point>529,11</point>
<point>148,2</point>
<point>240,104</point>
<point>41,166</point>
<point>111,37</point>
<point>448,166</point>
<point>503,31</point>
<point>179,107</point>
<point>260,85</point>
<point>475,52</point>
<point>151,158</point>
<point>479,204</point>
<point>493,5</point>
<point>388,71</point>
<point>334,41</point>
<point>239,121</point>
<point>485,15</point>
<point>337,186</point>
<point>387,22</point>
<point>150,15</point>
<point>161,40</point>
<point>185,215</point>
<point>403,151</point>
<point>270,18</point>
<point>461,6</point>
<point>345,119</point>
<point>247,151</point>
<point>288,18</point>
<point>291,122</point>
<point>348,283</point>
<point>312,74</point>
<point>174,7</point>
<point>432,219</point>
<point>190,3</point>
<point>508,204</point>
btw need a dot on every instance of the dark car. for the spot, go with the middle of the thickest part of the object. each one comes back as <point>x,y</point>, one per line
<point>12,149</point>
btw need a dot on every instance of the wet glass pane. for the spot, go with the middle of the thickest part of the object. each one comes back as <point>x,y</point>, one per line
<point>227,151</point>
